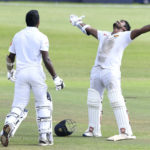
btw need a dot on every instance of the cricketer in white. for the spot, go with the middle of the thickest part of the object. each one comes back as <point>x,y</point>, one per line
<point>30,46</point>
<point>106,74</point>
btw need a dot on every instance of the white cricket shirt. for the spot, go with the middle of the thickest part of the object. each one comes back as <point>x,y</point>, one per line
<point>27,45</point>
<point>111,48</point>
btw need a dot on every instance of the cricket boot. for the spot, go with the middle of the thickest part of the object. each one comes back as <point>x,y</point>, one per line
<point>5,135</point>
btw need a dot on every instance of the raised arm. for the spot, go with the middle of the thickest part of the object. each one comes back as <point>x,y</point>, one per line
<point>86,29</point>
<point>135,33</point>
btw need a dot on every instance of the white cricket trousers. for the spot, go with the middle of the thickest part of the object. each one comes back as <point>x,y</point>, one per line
<point>110,79</point>
<point>105,78</point>
<point>27,79</point>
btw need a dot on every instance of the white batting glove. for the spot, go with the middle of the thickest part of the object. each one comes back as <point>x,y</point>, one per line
<point>11,75</point>
<point>59,83</point>
<point>75,20</point>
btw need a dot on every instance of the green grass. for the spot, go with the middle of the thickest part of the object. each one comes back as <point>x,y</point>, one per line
<point>73,55</point>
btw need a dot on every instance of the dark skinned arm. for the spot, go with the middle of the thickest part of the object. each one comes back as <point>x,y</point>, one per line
<point>135,33</point>
<point>48,64</point>
<point>90,31</point>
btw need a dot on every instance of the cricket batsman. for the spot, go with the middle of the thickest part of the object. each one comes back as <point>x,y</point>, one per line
<point>106,74</point>
<point>30,46</point>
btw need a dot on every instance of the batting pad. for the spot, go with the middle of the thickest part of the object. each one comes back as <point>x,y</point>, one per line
<point>44,119</point>
<point>15,118</point>
<point>94,111</point>
<point>120,111</point>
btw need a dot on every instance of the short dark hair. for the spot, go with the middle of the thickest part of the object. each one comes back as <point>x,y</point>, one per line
<point>127,25</point>
<point>32,18</point>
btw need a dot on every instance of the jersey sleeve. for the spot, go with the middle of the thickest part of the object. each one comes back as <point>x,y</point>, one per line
<point>44,43</point>
<point>12,47</point>
<point>99,34</point>
<point>127,37</point>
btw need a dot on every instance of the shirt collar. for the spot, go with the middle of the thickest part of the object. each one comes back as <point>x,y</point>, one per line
<point>31,28</point>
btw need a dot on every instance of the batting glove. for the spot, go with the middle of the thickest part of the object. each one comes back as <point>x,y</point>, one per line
<point>59,83</point>
<point>11,75</point>
<point>75,20</point>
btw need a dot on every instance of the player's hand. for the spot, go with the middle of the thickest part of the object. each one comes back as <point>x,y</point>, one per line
<point>59,83</point>
<point>11,75</point>
<point>75,20</point>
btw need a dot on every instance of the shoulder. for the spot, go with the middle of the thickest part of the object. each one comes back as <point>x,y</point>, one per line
<point>125,33</point>
<point>125,36</point>
<point>18,34</point>
<point>43,36</point>
<point>103,34</point>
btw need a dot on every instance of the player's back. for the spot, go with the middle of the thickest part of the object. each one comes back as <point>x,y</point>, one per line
<point>27,45</point>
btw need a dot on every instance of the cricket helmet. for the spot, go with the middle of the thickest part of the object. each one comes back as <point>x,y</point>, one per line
<point>65,127</point>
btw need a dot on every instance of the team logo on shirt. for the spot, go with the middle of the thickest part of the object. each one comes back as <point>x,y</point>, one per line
<point>105,34</point>
<point>116,36</point>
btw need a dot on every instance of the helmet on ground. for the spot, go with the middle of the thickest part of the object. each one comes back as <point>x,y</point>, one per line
<point>65,127</point>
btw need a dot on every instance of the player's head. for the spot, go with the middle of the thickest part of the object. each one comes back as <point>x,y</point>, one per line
<point>121,25</point>
<point>32,18</point>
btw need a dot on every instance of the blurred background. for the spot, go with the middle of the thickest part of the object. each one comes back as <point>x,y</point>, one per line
<point>92,1</point>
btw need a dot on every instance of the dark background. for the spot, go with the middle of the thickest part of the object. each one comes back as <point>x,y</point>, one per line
<point>91,1</point>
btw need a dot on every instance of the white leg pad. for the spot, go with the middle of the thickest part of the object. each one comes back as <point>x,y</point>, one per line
<point>120,111</point>
<point>44,118</point>
<point>94,111</point>
<point>14,119</point>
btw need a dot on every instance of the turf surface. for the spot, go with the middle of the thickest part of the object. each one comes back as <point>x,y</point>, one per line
<point>73,55</point>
